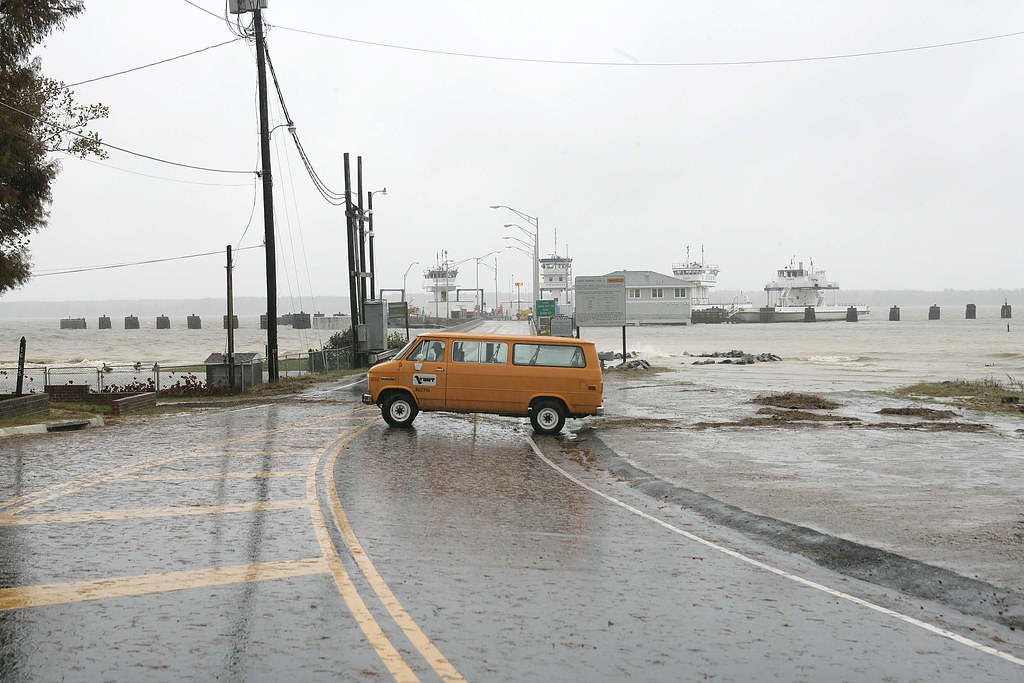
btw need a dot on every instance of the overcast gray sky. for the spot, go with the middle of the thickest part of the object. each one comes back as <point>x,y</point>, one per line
<point>895,171</point>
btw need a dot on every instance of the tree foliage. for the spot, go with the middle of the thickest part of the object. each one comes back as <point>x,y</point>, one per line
<point>38,118</point>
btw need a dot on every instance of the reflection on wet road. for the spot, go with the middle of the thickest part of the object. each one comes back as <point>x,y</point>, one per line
<point>307,540</point>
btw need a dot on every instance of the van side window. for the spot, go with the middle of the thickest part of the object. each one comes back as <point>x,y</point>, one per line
<point>549,355</point>
<point>479,352</point>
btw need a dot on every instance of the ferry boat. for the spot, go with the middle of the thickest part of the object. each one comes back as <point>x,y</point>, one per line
<point>699,277</point>
<point>797,294</point>
<point>441,280</point>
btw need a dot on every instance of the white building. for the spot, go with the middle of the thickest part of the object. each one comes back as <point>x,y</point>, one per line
<point>655,299</point>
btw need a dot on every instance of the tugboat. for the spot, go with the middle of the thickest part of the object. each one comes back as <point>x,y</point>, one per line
<point>797,294</point>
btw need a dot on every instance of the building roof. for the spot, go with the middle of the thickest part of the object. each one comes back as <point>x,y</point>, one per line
<point>648,278</point>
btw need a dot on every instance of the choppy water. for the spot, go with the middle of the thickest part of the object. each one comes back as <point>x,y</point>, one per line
<point>47,344</point>
<point>872,353</point>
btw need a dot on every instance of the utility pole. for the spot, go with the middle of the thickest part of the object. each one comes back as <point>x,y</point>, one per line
<point>362,239</point>
<point>373,271</point>
<point>231,326</point>
<point>269,245</point>
<point>353,289</point>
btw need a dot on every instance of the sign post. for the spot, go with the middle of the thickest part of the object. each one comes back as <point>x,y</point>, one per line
<point>21,368</point>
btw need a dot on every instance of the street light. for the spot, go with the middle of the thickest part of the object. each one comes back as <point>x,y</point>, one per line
<point>373,274</point>
<point>403,279</point>
<point>535,222</point>
<point>516,239</point>
<point>479,308</point>
<point>495,269</point>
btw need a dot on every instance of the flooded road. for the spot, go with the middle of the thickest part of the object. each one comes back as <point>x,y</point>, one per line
<point>305,539</point>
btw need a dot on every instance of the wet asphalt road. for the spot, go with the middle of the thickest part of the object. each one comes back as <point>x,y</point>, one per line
<point>305,540</point>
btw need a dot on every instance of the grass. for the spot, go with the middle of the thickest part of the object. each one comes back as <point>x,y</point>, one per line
<point>285,387</point>
<point>989,394</point>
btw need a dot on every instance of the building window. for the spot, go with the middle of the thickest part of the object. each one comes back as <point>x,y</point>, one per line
<point>633,293</point>
<point>657,293</point>
<point>680,292</point>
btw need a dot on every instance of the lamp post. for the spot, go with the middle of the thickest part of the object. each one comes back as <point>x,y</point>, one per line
<point>479,299</point>
<point>535,222</point>
<point>406,276</point>
<point>373,272</point>
<point>495,269</point>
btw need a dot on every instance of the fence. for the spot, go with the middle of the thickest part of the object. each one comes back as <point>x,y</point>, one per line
<point>161,378</point>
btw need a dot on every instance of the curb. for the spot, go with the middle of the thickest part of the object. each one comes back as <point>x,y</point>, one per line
<point>45,427</point>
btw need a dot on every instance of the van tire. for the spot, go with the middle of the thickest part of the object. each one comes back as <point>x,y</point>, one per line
<point>547,417</point>
<point>399,410</point>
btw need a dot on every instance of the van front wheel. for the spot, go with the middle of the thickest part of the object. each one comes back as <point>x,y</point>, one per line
<point>547,417</point>
<point>399,410</point>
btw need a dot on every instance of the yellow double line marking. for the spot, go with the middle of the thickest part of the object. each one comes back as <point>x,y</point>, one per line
<point>371,629</point>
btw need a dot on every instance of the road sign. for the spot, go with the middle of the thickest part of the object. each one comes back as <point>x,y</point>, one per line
<point>545,308</point>
<point>600,301</point>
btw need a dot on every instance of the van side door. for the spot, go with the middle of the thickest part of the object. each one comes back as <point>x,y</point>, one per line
<point>424,373</point>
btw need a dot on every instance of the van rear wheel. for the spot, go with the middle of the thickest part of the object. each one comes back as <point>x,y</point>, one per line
<point>547,417</point>
<point>399,410</point>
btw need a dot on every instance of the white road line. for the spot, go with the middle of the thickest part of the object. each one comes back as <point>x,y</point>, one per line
<point>238,410</point>
<point>779,572</point>
<point>343,386</point>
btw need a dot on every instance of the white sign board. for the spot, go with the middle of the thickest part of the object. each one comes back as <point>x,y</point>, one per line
<point>600,301</point>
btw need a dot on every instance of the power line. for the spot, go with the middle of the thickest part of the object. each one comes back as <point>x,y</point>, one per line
<point>86,269</point>
<point>170,180</point>
<point>120,149</point>
<point>327,193</point>
<point>573,62</point>
<point>146,66</point>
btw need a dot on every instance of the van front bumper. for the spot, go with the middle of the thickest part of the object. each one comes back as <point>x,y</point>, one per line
<point>367,400</point>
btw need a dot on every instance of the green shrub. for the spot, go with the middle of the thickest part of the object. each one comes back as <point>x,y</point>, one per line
<point>396,340</point>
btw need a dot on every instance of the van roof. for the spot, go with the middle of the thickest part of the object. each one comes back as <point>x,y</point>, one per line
<point>474,336</point>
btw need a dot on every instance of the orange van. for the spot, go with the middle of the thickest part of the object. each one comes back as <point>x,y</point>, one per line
<point>544,378</point>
